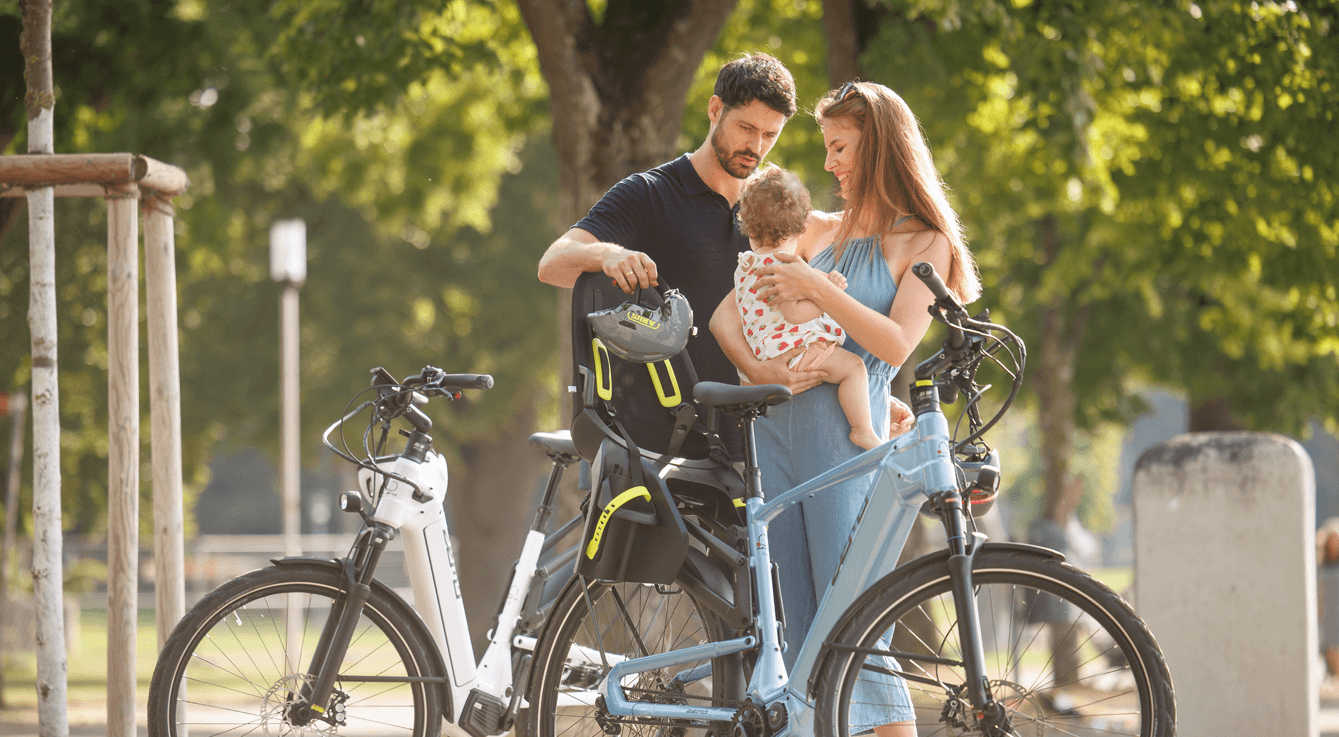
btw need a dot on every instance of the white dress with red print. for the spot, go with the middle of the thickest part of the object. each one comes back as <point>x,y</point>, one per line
<point>767,332</point>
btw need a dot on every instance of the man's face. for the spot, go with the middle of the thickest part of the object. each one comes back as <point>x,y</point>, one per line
<point>742,136</point>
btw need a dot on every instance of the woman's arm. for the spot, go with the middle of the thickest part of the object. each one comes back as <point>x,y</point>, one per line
<point>890,338</point>
<point>728,328</point>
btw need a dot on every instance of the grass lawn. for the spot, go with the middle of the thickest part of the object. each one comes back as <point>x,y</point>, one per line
<point>87,679</point>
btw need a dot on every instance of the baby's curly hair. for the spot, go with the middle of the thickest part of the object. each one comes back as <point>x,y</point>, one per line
<point>773,206</point>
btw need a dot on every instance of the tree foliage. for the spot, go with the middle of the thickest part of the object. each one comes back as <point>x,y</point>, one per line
<point>1149,189</point>
<point>399,193</point>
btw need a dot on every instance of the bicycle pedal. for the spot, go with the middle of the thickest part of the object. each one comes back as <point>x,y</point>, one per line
<point>483,714</point>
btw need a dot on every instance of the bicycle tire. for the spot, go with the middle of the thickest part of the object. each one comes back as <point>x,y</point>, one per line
<point>231,654</point>
<point>1100,673</point>
<point>569,666</point>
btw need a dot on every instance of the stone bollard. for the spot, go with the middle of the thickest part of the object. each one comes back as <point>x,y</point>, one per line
<point>1225,573</point>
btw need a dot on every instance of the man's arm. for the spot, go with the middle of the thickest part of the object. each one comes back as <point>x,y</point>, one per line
<point>578,251</point>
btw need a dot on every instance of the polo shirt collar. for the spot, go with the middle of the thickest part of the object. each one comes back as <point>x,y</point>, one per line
<point>688,177</point>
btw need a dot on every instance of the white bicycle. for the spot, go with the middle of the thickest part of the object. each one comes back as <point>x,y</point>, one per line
<point>322,647</point>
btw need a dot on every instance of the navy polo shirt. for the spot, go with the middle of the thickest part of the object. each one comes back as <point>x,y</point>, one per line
<point>690,231</point>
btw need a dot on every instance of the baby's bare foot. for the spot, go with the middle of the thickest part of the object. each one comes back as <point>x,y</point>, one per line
<point>865,437</point>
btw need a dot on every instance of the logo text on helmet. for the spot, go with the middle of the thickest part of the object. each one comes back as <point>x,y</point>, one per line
<point>643,319</point>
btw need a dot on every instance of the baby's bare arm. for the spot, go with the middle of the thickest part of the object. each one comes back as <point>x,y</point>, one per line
<point>804,310</point>
<point>799,311</point>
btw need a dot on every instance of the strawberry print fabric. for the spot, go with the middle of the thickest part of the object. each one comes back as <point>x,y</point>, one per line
<point>767,332</point>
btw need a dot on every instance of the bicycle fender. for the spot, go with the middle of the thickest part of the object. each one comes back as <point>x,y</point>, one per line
<point>938,559</point>
<point>410,615</point>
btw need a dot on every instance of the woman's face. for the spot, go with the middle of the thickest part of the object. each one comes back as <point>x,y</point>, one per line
<point>841,141</point>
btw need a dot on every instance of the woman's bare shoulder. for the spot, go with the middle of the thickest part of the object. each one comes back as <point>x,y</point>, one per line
<point>819,229</point>
<point>902,249</point>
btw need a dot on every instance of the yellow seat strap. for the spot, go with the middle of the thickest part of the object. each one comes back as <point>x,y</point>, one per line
<point>608,512</point>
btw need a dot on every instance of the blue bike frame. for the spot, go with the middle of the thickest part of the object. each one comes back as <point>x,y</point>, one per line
<point>907,471</point>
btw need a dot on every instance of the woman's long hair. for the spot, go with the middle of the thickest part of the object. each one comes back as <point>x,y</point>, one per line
<point>895,176</point>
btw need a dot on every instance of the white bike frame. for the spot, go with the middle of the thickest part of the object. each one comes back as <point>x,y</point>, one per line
<point>435,583</point>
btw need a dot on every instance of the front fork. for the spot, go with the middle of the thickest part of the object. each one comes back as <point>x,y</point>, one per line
<point>338,631</point>
<point>962,553</point>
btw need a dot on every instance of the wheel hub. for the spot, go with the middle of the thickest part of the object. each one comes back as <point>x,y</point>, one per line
<point>284,698</point>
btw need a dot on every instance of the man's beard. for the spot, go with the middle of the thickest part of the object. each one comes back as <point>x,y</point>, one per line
<point>727,160</point>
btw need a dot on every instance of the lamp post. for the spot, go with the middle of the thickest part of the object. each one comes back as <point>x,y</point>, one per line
<point>288,266</point>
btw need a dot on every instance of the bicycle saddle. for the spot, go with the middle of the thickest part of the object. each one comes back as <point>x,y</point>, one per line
<point>733,400</point>
<point>556,444</point>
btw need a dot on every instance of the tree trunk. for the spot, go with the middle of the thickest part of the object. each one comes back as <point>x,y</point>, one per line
<point>1214,414</point>
<point>48,580</point>
<point>839,26</point>
<point>617,93</point>
<point>18,406</point>
<point>1063,327</point>
<point>1055,398</point>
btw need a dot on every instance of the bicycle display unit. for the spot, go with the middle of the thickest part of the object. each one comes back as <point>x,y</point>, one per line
<point>982,637</point>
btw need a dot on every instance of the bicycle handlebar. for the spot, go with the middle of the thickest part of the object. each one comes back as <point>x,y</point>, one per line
<point>946,302</point>
<point>931,278</point>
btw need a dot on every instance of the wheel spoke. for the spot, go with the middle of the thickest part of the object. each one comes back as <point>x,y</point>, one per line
<point>1086,677</point>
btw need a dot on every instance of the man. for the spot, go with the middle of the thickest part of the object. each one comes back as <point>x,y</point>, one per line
<point>676,222</point>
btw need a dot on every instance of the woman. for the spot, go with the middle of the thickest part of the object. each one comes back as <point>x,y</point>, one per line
<point>896,215</point>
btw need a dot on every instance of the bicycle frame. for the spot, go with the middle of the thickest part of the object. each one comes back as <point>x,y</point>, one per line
<point>410,502</point>
<point>908,470</point>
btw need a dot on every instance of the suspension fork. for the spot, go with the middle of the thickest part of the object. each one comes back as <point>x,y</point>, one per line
<point>962,554</point>
<point>338,631</point>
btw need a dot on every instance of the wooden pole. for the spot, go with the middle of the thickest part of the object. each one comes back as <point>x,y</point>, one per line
<point>122,457</point>
<point>160,286</point>
<point>48,580</point>
<point>18,404</point>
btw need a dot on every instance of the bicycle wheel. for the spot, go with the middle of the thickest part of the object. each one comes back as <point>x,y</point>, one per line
<point>235,660</point>
<point>597,625</point>
<point>1064,655</point>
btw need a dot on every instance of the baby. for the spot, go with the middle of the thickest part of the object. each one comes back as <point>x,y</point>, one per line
<point>772,212</point>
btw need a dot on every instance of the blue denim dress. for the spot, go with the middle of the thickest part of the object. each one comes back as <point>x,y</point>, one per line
<point>807,436</point>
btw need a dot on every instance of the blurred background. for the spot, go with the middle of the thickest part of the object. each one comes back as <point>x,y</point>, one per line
<point>1151,190</point>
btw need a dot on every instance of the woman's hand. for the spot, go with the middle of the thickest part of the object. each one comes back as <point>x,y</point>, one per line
<point>900,419</point>
<point>789,279</point>
<point>776,371</point>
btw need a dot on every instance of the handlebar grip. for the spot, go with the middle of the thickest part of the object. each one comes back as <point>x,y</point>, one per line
<point>466,381</point>
<point>927,274</point>
<point>944,299</point>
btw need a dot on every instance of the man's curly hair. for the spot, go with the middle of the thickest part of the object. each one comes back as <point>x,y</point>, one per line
<point>773,206</point>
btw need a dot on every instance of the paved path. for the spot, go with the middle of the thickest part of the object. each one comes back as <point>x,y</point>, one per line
<point>1328,723</point>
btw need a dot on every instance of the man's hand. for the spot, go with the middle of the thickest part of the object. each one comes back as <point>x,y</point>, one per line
<point>630,270</point>
<point>774,371</point>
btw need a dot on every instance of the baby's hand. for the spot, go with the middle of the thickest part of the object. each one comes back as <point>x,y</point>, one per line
<point>836,277</point>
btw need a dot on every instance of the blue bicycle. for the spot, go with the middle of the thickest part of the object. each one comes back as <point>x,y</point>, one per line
<point>983,637</point>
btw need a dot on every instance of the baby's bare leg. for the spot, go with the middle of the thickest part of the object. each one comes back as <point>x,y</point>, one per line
<point>847,371</point>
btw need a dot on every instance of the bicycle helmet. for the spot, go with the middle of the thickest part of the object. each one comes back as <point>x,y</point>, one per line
<point>643,332</point>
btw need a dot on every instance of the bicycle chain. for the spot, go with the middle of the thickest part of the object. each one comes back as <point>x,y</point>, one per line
<point>725,703</point>
<point>610,722</point>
